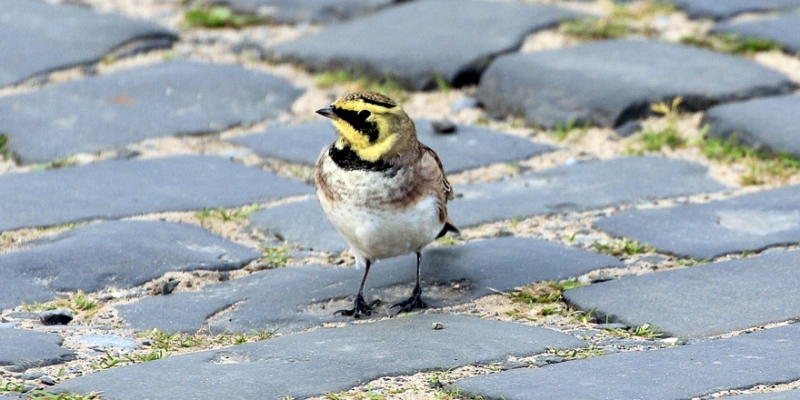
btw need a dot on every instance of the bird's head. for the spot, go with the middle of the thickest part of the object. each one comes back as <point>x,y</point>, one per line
<point>371,124</point>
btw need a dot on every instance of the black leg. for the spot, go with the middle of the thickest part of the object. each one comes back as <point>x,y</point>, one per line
<point>360,307</point>
<point>415,301</point>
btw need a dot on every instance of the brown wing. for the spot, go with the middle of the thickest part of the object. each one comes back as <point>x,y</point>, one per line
<point>433,166</point>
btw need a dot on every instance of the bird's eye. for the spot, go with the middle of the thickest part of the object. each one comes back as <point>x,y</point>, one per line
<point>363,115</point>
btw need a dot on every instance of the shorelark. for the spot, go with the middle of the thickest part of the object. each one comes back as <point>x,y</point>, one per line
<point>384,191</point>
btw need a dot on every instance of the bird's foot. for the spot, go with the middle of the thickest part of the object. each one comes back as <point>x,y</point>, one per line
<point>413,302</point>
<point>360,307</point>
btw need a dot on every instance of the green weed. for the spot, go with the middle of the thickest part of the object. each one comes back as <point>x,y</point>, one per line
<point>592,28</point>
<point>275,256</point>
<point>543,292</point>
<point>226,215</point>
<point>561,131</point>
<point>581,353</point>
<point>652,140</point>
<point>621,247</point>
<point>60,163</point>
<point>730,43</point>
<point>441,83</point>
<point>219,17</point>
<point>386,86</point>
<point>762,165</point>
<point>38,394</point>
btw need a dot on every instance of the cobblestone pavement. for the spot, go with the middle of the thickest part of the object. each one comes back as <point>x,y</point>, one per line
<point>626,175</point>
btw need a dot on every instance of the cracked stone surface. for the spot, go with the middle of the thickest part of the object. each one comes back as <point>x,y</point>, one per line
<point>703,300</point>
<point>415,41</point>
<point>718,10</point>
<point>109,111</point>
<point>317,11</point>
<point>763,124</point>
<point>582,83</point>
<point>39,37</point>
<point>23,349</point>
<point>781,29</point>
<point>750,222</point>
<point>114,189</point>
<point>765,357</point>
<point>583,186</point>
<point>119,254</point>
<point>294,298</point>
<point>338,359</point>
<point>468,147</point>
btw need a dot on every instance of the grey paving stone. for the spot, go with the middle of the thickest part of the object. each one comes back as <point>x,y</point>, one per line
<point>782,29</point>
<point>114,189</point>
<point>765,357</point>
<point>784,395</point>
<point>121,254</point>
<point>718,10</point>
<point>468,147</point>
<point>744,223</point>
<point>582,186</point>
<point>295,298</point>
<point>317,11</point>
<point>108,111</point>
<point>39,37</point>
<point>704,300</point>
<point>324,360</point>
<point>612,82</point>
<point>763,124</point>
<point>23,349</point>
<point>413,42</point>
<point>300,222</point>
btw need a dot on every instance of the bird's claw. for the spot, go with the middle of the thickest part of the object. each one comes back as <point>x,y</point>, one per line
<point>413,302</point>
<point>360,307</point>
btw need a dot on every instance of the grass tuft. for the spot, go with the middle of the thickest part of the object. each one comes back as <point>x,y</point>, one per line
<point>275,256</point>
<point>543,292</point>
<point>731,43</point>
<point>226,215</point>
<point>219,17</point>
<point>762,165</point>
<point>622,247</point>
<point>651,140</point>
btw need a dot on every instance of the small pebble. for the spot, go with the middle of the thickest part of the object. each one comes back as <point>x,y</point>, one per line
<point>443,126</point>
<point>47,380</point>
<point>56,317</point>
<point>437,326</point>
<point>29,376</point>
<point>167,287</point>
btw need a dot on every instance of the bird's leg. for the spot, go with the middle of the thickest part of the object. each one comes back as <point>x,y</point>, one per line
<point>415,301</point>
<point>360,307</point>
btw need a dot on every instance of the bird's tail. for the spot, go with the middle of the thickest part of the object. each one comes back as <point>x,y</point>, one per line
<point>449,226</point>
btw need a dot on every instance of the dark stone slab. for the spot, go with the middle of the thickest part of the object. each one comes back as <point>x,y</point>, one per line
<point>22,349</point>
<point>612,82</point>
<point>785,395</point>
<point>300,222</point>
<point>782,29</point>
<point>763,124</point>
<point>40,37</point>
<point>295,298</point>
<point>583,186</point>
<point>761,358</point>
<point>468,147</point>
<point>413,42</point>
<point>114,189</point>
<point>701,301</point>
<point>744,223</point>
<point>718,10</point>
<point>317,11</point>
<point>324,360</point>
<point>172,98</point>
<point>121,254</point>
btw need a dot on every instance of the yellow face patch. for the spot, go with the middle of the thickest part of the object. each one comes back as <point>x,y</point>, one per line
<point>366,149</point>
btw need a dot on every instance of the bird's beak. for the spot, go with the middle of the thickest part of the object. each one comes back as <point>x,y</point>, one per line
<point>327,112</point>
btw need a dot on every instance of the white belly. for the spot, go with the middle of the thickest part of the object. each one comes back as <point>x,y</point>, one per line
<point>377,233</point>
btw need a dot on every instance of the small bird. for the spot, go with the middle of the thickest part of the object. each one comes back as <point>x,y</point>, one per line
<point>384,191</point>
